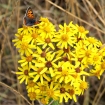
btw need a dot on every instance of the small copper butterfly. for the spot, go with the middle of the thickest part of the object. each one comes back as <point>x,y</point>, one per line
<point>29,18</point>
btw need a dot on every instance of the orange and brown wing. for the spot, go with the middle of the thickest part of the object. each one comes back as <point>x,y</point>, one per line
<point>29,13</point>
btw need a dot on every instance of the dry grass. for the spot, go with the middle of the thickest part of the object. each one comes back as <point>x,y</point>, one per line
<point>89,13</point>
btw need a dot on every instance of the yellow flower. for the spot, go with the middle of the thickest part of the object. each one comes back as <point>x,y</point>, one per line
<point>70,28</point>
<point>39,74</point>
<point>49,63</point>
<point>32,87</point>
<point>85,53</point>
<point>42,88</point>
<point>52,90</point>
<point>26,30</point>
<point>17,41</point>
<point>53,63</point>
<point>83,85</point>
<point>26,48</point>
<point>93,42</point>
<point>72,91</point>
<point>32,37</point>
<point>33,96</point>
<point>23,74</point>
<point>81,32</point>
<point>62,93</point>
<point>98,69</point>
<point>46,28</point>
<point>44,100</point>
<point>95,58</point>
<point>45,42</point>
<point>96,72</point>
<point>65,36</point>
<point>27,60</point>
<point>64,73</point>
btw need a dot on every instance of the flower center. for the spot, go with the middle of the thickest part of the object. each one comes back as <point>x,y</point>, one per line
<point>65,72</point>
<point>65,59</point>
<point>43,54</point>
<point>29,58</point>
<point>78,39</point>
<point>95,58</point>
<point>60,69</point>
<point>80,59</point>
<point>42,88</point>
<point>88,52</point>
<point>81,29</point>
<point>24,45</point>
<point>26,72</point>
<point>31,84</point>
<point>48,64</point>
<point>47,40</point>
<point>50,92</point>
<point>34,35</point>
<point>77,70</point>
<point>83,85</point>
<point>65,37</point>
<point>62,90</point>
<point>32,95</point>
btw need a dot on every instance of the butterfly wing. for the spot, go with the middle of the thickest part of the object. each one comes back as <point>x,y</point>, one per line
<point>29,18</point>
<point>29,13</point>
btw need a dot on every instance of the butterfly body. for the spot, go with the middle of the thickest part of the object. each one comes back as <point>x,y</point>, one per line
<point>29,18</point>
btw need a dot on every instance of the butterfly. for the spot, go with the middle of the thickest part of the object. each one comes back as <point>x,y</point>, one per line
<point>29,18</point>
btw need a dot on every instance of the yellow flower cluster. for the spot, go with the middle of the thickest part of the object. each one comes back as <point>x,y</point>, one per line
<point>54,64</point>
